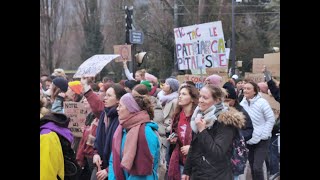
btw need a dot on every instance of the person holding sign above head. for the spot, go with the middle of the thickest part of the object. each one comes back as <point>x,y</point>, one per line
<point>108,123</point>
<point>140,75</point>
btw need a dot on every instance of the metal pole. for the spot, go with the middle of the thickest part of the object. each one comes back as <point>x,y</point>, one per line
<point>175,13</point>
<point>133,52</point>
<point>233,50</point>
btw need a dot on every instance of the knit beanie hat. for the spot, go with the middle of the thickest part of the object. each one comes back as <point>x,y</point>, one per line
<point>151,78</point>
<point>173,83</point>
<point>130,103</point>
<point>130,84</point>
<point>146,83</point>
<point>231,91</point>
<point>215,79</point>
<point>61,83</point>
<point>75,86</point>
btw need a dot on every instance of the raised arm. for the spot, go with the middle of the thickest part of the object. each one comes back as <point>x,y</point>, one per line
<point>96,104</point>
<point>127,72</point>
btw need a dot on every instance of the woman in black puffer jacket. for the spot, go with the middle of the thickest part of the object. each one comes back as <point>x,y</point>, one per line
<point>214,127</point>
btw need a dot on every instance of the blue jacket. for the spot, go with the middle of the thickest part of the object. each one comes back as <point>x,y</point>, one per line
<point>154,147</point>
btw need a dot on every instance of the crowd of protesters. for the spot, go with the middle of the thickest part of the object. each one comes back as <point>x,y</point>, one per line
<point>149,128</point>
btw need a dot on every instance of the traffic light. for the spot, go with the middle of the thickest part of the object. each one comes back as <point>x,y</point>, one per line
<point>129,21</point>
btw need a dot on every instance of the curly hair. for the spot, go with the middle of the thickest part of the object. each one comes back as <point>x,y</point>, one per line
<point>145,104</point>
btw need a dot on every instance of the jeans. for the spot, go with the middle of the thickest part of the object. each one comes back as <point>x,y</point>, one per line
<point>273,155</point>
<point>181,169</point>
<point>236,177</point>
<point>257,155</point>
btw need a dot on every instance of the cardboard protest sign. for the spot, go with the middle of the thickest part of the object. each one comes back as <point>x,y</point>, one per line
<point>255,77</point>
<point>199,80</point>
<point>257,65</point>
<point>271,61</point>
<point>200,46</point>
<point>93,65</point>
<point>217,70</point>
<point>196,79</point>
<point>77,114</point>
<point>124,51</point>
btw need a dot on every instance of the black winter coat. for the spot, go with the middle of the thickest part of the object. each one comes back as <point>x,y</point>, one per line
<point>210,153</point>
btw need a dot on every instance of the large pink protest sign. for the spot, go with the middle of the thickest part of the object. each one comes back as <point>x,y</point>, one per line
<point>200,46</point>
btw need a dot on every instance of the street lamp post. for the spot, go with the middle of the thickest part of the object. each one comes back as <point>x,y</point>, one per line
<point>233,50</point>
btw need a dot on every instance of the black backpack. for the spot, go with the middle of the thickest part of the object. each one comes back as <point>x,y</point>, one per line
<point>240,154</point>
<point>72,170</point>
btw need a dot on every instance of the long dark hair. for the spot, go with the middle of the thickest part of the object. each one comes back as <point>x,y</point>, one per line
<point>119,90</point>
<point>194,93</point>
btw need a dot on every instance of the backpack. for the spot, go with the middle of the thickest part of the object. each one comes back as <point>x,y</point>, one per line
<point>240,154</point>
<point>72,170</point>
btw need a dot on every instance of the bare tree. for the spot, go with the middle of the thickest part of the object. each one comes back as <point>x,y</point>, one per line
<point>89,14</point>
<point>52,33</point>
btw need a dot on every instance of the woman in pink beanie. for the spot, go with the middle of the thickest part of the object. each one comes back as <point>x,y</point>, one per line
<point>214,79</point>
<point>135,145</point>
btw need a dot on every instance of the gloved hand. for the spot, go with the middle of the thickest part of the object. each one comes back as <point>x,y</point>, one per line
<point>267,74</point>
<point>85,85</point>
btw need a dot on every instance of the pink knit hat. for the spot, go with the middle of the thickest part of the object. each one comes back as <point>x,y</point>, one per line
<point>215,80</point>
<point>151,78</point>
<point>130,103</point>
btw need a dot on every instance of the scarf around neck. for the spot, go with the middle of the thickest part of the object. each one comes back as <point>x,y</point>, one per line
<point>177,156</point>
<point>167,98</point>
<point>104,134</point>
<point>210,115</point>
<point>134,140</point>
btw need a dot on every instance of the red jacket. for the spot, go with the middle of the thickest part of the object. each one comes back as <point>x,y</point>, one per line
<point>85,148</point>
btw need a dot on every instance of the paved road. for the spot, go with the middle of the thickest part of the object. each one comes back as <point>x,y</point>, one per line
<point>247,173</point>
